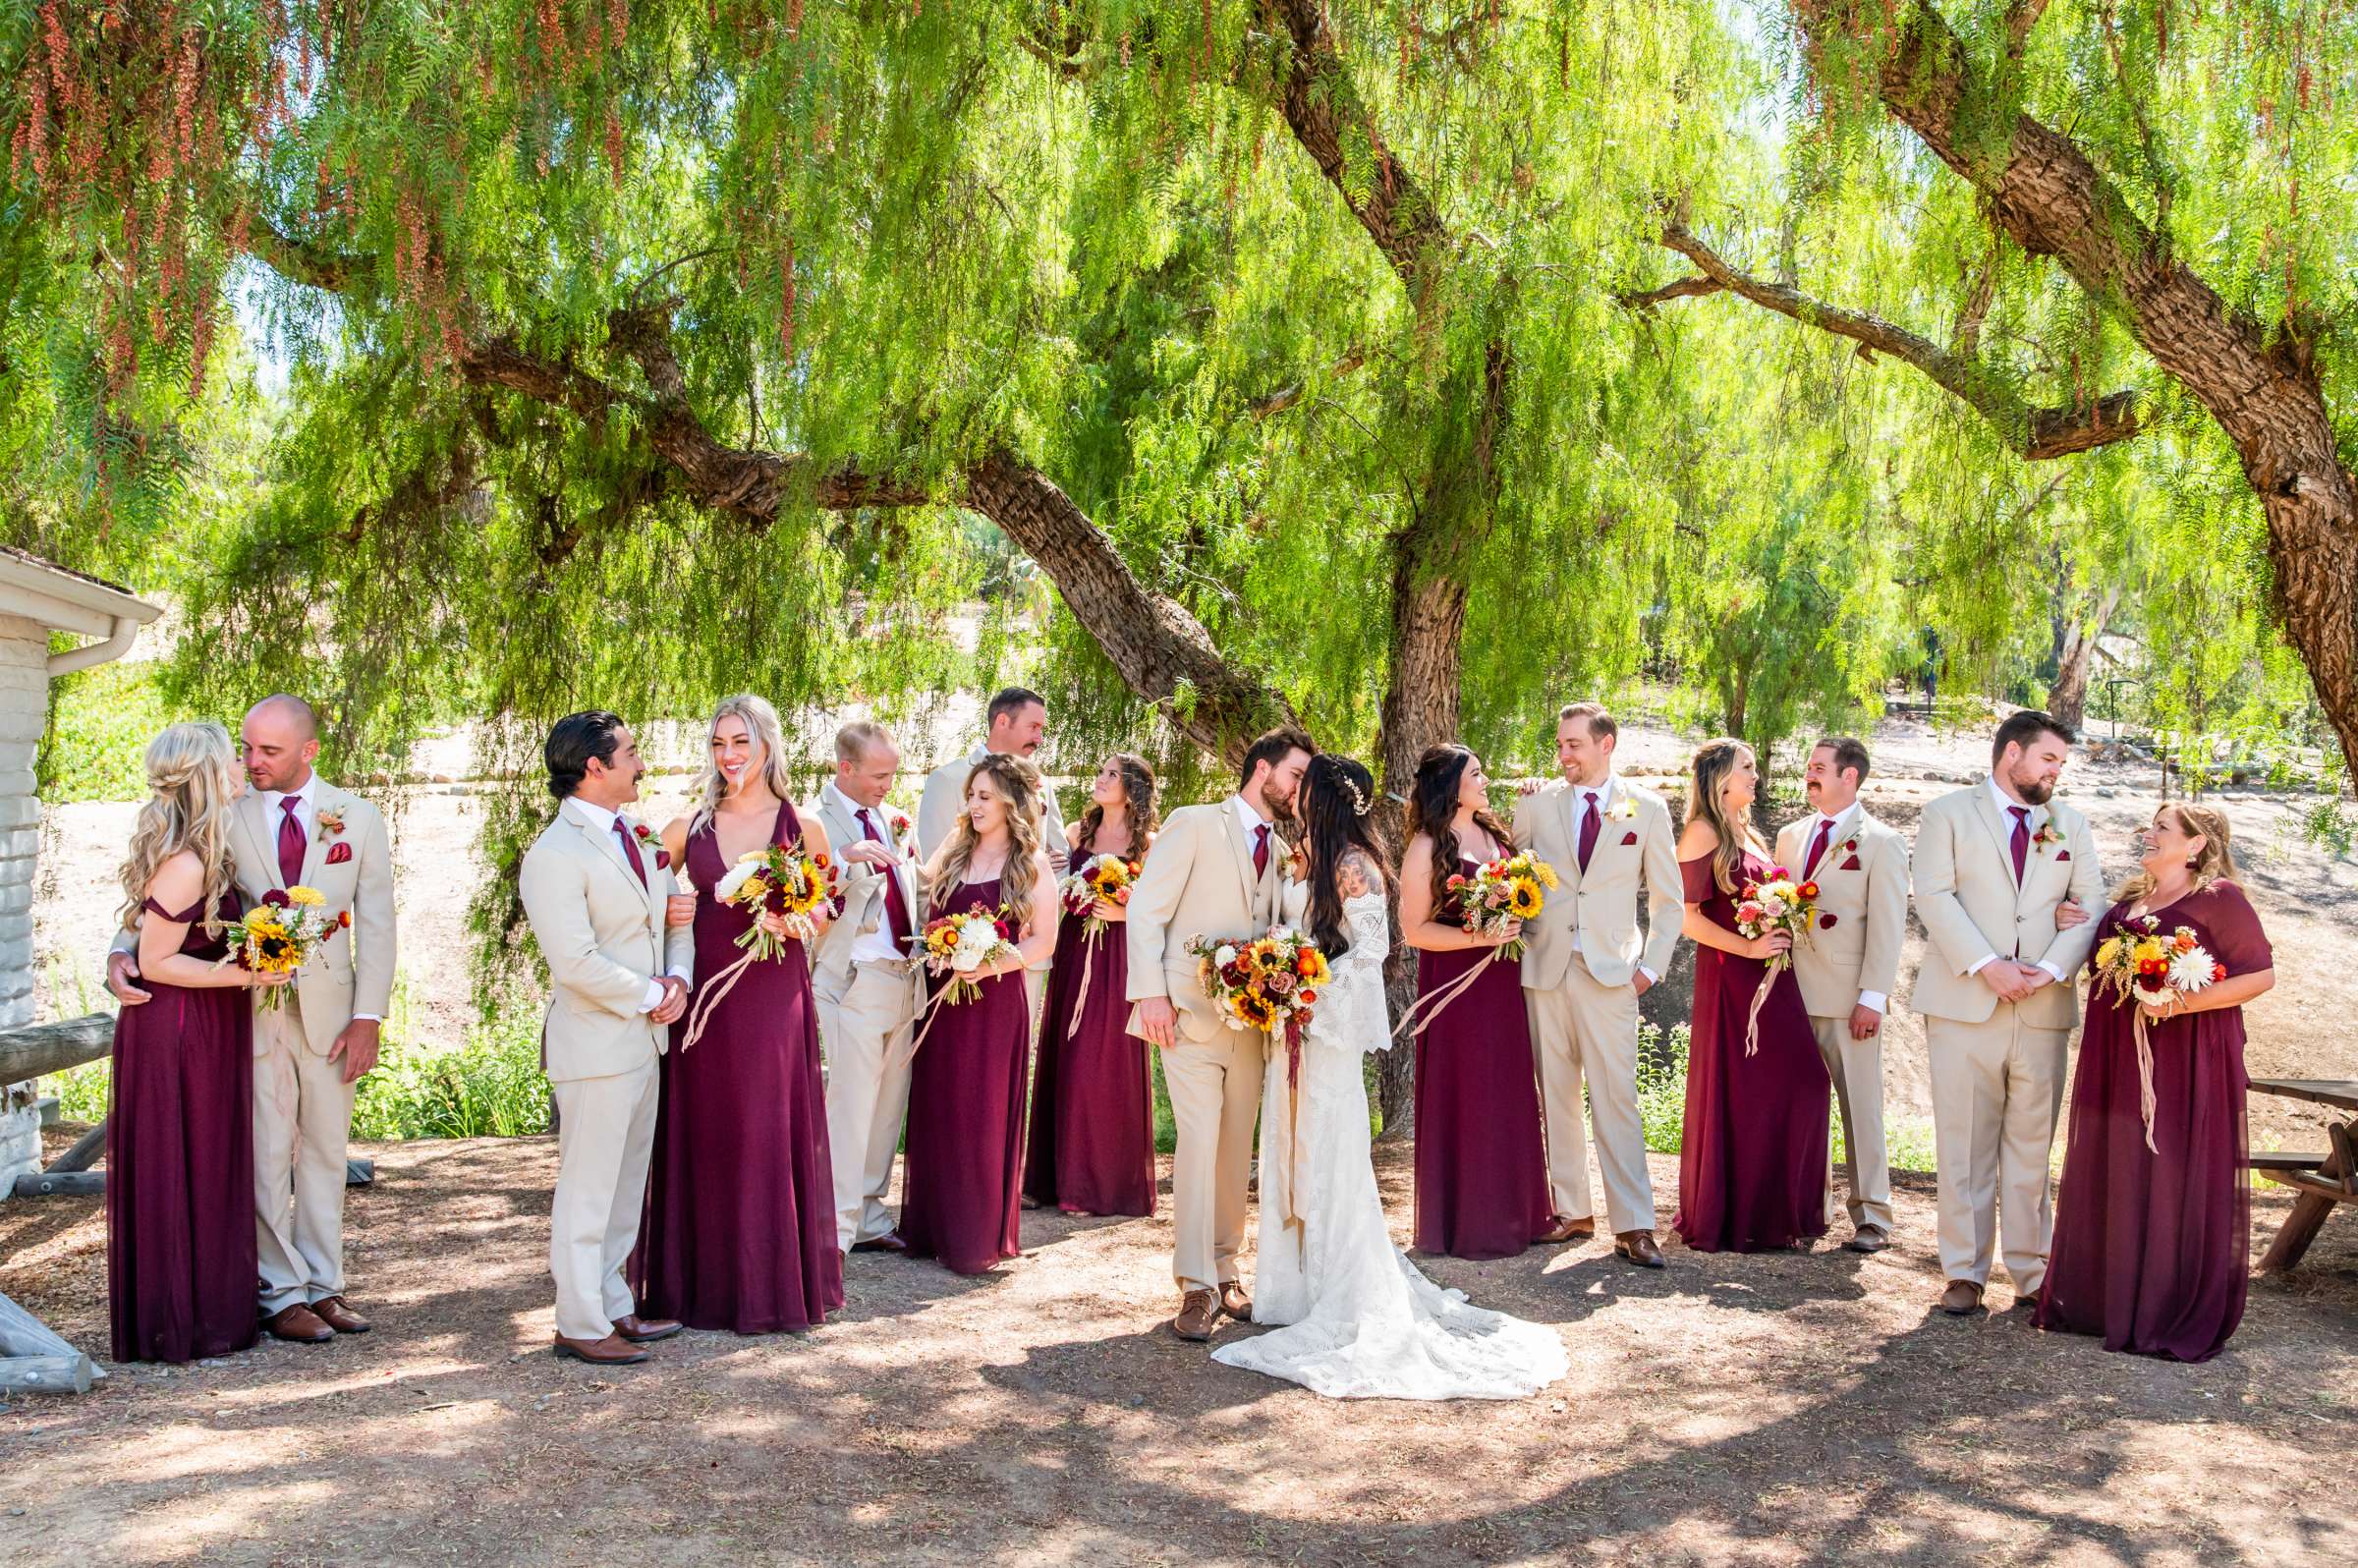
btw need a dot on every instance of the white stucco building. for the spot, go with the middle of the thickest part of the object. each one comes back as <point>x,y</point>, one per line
<point>36,599</point>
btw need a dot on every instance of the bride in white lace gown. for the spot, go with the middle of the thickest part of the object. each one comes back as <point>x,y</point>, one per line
<point>1358,1320</point>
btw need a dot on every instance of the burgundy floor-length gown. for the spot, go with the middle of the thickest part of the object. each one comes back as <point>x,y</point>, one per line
<point>962,1169</point>
<point>2151,1251</point>
<point>739,1227</point>
<point>1751,1162</point>
<point>180,1239</point>
<point>1480,1156</point>
<point>1093,1093</point>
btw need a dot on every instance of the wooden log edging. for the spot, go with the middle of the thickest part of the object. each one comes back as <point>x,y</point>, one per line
<point>38,1050</point>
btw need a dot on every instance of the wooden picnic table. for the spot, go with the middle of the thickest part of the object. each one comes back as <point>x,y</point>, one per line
<point>2322,1181</point>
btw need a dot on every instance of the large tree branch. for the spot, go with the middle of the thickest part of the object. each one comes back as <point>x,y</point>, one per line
<point>2035,432</point>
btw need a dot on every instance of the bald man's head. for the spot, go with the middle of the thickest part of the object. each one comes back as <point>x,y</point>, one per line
<point>281,737</point>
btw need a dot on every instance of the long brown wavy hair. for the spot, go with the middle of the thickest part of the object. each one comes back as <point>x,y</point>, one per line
<point>1021,784</point>
<point>191,779</point>
<point>1433,808</point>
<point>2215,864</point>
<point>1138,788</point>
<point>1713,762</point>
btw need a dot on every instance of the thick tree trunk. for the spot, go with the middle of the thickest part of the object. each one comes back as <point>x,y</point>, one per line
<point>2075,659</point>
<point>2261,390</point>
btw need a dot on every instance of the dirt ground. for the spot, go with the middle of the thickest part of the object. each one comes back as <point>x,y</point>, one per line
<point>1730,1410</point>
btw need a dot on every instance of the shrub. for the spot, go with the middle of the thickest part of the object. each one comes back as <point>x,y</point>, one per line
<point>491,1087</point>
<point>100,721</point>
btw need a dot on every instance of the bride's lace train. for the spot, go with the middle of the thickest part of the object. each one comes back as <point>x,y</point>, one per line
<point>1359,1320</point>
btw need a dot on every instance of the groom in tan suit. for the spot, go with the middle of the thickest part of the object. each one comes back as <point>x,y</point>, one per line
<point>595,885</point>
<point>293,828</point>
<point>1215,872</point>
<point>1850,964</point>
<point>1585,966</point>
<point>2004,877</point>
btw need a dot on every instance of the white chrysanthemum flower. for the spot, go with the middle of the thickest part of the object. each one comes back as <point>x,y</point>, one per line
<point>2190,971</point>
<point>735,879</point>
<point>1224,955</point>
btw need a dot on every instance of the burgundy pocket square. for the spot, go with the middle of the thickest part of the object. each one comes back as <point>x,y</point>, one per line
<point>662,860</point>
<point>1629,838</point>
<point>2062,856</point>
<point>1826,922</point>
<point>1851,865</point>
<point>338,853</point>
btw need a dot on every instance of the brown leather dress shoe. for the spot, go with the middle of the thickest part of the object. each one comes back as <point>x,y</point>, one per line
<point>640,1330</point>
<point>1870,1239</point>
<point>331,1311</point>
<point>1234,1301</point>
<point>611,1350</point>
<point>889,1242</point>
<point>299,1324</point>
<point>1560,1230</point>
<point>1637,1246</point>
<point>1198,1311</point>
<point>1962,1298</point>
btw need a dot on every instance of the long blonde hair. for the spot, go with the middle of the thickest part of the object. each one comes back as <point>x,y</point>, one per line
<point>762,723</point>
<point>1020,782</point>
<point>192,777</point>
<point>1713,762</point>
<point>2217,862</point>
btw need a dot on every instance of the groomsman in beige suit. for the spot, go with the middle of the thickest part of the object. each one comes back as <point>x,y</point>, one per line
<point>595,887</point>
<point>1850,964</point>
<point>866,984</point>
<point>294,828</point>
<point>1585,966</point>
<point>1018,720</point>
<point>2004,877</point>
<point>1215,872</point>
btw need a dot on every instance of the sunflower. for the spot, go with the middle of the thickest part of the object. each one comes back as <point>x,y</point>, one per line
<point>1254,1009</point>
<point>1523,898</point>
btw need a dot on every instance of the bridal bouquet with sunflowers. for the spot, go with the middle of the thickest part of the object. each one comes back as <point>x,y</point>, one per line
<point>279,935</point>
<point>1500,892</point>
<point>1270,982</point>
<point>778,880</point>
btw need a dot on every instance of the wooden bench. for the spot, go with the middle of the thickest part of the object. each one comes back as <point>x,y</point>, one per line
<point>2323,1182</point>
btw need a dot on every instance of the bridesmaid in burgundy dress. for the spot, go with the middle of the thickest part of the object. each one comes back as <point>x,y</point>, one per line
<point>180,1236</point>
<point>962,1169</point>
<point>1093,1093</point>
<point>2152,1245</point>
<point>1482,1162</point>
<point>739,1227</point>
<point>1751,1162</point>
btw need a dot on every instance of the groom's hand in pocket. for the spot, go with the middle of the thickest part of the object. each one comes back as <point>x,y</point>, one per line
<point>1156,1021</point>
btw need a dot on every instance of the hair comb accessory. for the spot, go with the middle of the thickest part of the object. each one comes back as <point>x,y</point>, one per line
<point>1359,801</point>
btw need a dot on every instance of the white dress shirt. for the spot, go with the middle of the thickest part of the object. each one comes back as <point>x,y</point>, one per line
<point>2034,822</point>
<point>1601,794</point>
<point>876,946</point>
<point>598,817</point>
<point>306,818</point>
<point>1872,1001</point>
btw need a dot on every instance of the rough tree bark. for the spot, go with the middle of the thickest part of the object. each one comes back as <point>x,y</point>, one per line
<point>2261,387</point>
<point>2075,657</point>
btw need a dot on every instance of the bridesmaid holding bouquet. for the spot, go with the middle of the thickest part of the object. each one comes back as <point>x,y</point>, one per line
<point>1093,1093</point>
<point>740,1228</point>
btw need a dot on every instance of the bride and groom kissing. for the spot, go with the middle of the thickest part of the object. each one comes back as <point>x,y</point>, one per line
<point>1356,1320</point>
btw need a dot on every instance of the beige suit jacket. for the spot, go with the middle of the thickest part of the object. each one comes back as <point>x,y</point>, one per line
<point>352,972</point>
<point>1862,911</point>
<point>604,939</point>
<point>862,885</point>
<point>1635,847</point>
<point>1966,897</point>
<point>1197,881</point>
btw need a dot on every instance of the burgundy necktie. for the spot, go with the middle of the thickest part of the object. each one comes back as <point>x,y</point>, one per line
<point>630,851</point>
<point>1260,850</point>
<point>2022,839</point>
<point>1825,830</point>
<point>1589,827</point>
<point>289,842</point>
<point>896,911</point>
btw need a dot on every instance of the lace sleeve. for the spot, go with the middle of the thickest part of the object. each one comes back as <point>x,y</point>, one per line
<point>1358,1020</point>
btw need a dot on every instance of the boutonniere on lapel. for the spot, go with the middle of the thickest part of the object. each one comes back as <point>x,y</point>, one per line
<point>900,824</point>
<point>653,842</point>
<point>331,826</point>
<point>2047,837</point>
<point>1623,809</point>
<point>1850,861</point>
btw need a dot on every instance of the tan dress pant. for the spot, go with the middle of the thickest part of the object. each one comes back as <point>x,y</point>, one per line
<point>1998,1089</point>
<point>864,1019</point>
<point>1216,1099</point>
<point>605,1136</point>
<point>1584,1029</point>
<point>1857,1069</point>
<point>301,1127</point>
